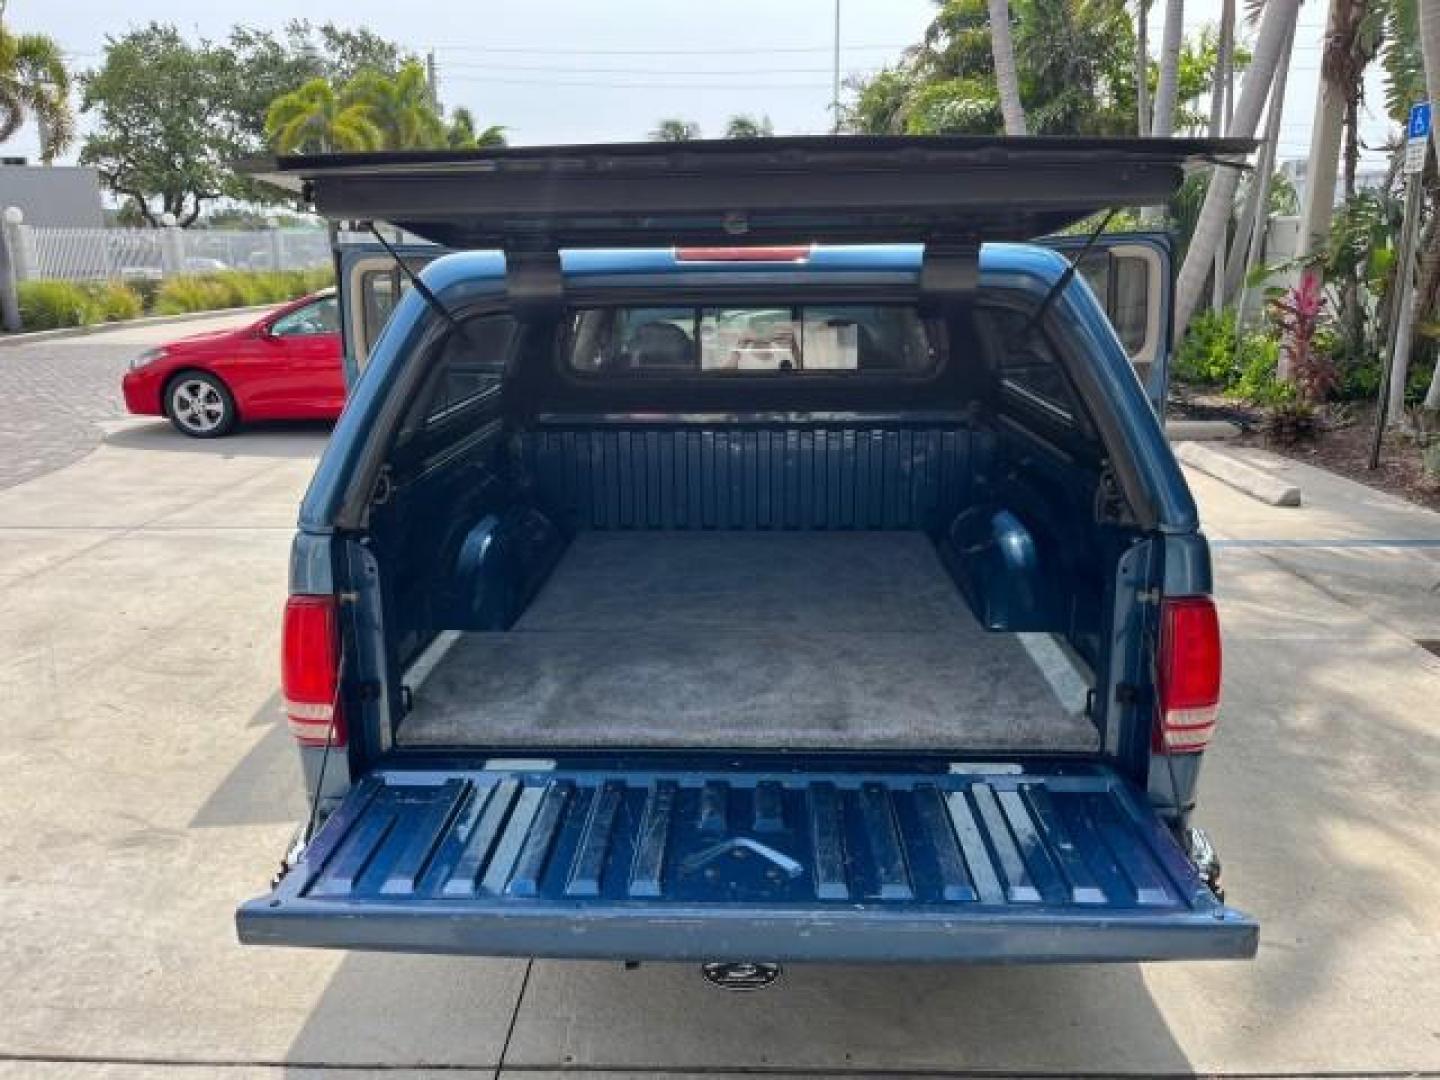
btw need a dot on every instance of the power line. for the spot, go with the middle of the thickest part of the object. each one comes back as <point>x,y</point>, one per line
<point>712,51</point>
<point>480,65</point>
<point>612,85</point>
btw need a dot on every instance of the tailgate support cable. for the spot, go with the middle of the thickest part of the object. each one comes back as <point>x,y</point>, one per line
<point>309,832</point>
<point>1066,275</point>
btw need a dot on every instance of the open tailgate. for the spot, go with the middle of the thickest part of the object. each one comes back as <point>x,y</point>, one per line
<point>984,863</point>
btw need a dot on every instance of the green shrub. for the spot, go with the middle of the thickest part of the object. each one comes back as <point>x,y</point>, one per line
<point>236,288</point>
<point>1206,356</point>
<point>145,288</point>
<point>191,292</point>
<point>116,301</point>
<point>48,304</point>
<point>1255,379</point>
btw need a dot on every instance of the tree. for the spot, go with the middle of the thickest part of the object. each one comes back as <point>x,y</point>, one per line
<point>1270,44</point>
<point>265,65</point>
<point>462,135</point>
<point>1007,78</point>
<point>315,119</point>
<point>1162,123</point>
<point>675,130</point>
<point>401,107</point>
<point>1142,67</point>
<point>34,85</point>
<point>1429,22</point>
<point>163,133</point>
<point>1075,65</point>
<point>747,127</point>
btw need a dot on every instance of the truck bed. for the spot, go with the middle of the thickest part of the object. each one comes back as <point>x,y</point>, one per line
<point>838,641</point>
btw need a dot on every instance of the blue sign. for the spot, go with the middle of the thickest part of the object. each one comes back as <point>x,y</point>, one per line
<point>1419,125</point>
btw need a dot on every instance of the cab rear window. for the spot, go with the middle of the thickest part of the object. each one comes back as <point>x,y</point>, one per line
<point>720,342</point>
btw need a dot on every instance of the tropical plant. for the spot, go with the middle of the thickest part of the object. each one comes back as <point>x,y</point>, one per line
<point>461,133</point>
<point>741,126</point>
<point>1299,314</point>
<point>675,130</point>
<point>34,85</point>
<point>263,65</point>
<point>316,119</point>
<point>1076,68</point>
<point>402,107</point>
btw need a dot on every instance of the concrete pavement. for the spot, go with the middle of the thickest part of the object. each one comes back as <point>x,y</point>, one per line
<point>149,786</point>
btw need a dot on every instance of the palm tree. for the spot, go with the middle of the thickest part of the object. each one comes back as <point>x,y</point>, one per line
<point>1007,78</point>
<point>315,119</point>
<point>35,85</point>
<point>401,106</point>
<point>747,127</point>
<point>1162,123</point>
<point>461,134</point>
<point>675,130</point>
<point>1142,66</point>
<point>1430,50</point>
<point>1220,194</point>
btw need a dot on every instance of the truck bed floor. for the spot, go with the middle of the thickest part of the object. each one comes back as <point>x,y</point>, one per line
<point>770,640</point>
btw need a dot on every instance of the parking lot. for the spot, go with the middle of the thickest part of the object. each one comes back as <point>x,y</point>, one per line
<point>150,785</point>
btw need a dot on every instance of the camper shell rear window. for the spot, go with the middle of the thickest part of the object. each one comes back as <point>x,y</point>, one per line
<point>755,340</point>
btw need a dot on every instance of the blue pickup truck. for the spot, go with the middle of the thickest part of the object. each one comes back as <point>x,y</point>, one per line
<point>753,552</point>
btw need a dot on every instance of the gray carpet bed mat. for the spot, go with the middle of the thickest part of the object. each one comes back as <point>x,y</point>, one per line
<point>765,640</point>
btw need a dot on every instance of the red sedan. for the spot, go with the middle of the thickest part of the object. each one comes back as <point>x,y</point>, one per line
<point>284,366</point>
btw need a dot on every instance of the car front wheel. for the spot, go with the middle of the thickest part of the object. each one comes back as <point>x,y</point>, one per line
<point>200,405</point>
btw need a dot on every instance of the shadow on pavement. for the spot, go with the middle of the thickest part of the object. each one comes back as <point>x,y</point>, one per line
<point>265,787</point>
<point>662,1019</point>
<point>273,439</point>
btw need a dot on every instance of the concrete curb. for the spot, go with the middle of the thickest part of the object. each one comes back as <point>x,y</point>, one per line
<point>150,320</point>
<point>1241,475</point>
<point>1200,430</point>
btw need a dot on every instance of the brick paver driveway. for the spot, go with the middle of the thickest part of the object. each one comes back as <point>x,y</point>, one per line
<point>55,394</point>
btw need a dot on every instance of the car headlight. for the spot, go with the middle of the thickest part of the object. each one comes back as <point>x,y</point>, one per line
<point>149,356</point>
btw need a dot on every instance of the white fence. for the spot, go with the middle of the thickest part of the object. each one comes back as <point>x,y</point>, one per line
<point>92,254</point>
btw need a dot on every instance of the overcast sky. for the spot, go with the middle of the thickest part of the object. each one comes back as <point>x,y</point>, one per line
<point>577,70</point>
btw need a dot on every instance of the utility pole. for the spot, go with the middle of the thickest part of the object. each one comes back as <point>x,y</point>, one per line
<point>835,88</point>
<point>432,80</point>
<point>1394,370</point>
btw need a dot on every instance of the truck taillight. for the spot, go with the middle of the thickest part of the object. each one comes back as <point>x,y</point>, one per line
<point>309,670</point>
<point>1189,673</point>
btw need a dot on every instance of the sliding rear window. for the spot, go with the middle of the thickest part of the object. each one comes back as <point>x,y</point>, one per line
<point>721,342</point>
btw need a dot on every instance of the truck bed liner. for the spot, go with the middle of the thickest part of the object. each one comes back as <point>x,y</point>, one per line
<point>801,640</point>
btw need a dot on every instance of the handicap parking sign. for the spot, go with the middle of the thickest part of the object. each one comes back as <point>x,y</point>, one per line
<point>1419,126</point>
<point>1417,137</point>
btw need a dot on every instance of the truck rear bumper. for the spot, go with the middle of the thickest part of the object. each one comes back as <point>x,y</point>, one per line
<point>1060,865</point>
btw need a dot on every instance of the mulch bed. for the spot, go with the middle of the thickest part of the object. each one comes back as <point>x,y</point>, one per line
<point>1343,446</point>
